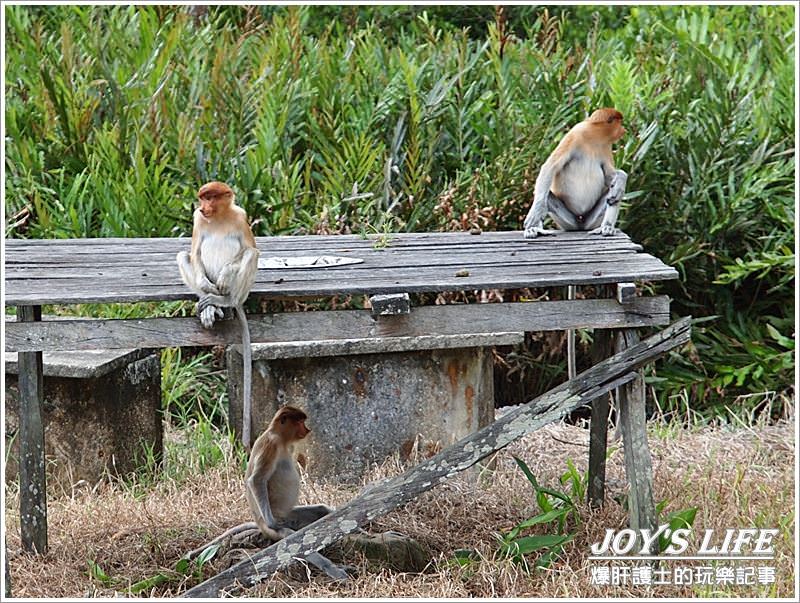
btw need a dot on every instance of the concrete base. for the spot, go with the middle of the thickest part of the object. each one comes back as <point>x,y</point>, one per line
<point>101,411</point>
<point>364,408</point>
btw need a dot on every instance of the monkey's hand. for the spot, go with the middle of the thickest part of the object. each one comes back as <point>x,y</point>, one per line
<point>227,276</point>
<point>531,232</point>
<point>206,286</point>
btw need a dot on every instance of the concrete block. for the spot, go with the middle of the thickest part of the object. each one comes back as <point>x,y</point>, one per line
<point>101,409</point>
<point>366,407</point>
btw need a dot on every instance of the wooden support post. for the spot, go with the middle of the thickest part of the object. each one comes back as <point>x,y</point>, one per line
<point>571,370</point>
<point>7,588</point>
<point>32,482</point>
<point>638,464</point>
<point>602,348</point>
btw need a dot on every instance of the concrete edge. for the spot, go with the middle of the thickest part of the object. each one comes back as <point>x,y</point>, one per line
<point>88,364</point>
<point>379,345</point>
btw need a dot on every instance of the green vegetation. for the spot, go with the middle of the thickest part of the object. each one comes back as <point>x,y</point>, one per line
<point>377,119</point>
<point>556,508</point>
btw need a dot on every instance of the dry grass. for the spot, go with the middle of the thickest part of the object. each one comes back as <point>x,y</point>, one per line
<point>736,477</point>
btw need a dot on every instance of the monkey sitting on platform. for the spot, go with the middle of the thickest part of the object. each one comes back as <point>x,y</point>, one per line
<point>221,269</point>
<point>578,184</point>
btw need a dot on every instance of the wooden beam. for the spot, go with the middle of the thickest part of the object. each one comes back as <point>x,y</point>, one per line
<point>32,480</point>
<point>571,360</point>
<point>456,319</point>
<point>638,464</point>
<point>381,497</point>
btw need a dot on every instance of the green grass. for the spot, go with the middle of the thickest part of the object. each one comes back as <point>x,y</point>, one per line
<point>196,433</point>
<point>382,119</point>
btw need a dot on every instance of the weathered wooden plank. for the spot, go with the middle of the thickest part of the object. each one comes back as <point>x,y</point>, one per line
<point>382,497</point>
<point>296,284</point>
<point>155,261</point>
<point>7,572</point>
<point>380,345</point>
<point>338,324</point>
<point>163,250</point>
<point>80,265</point>
<point>288,282</point>
<point>306,244</point>
<point>32,479</point>
<point>580,267</point>
<point>312,241</point>
<point>166,273</point>
<point>638,464</point>
<point>311,245</point>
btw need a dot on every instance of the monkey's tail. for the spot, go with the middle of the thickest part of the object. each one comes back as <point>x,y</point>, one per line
<point>247,372</point>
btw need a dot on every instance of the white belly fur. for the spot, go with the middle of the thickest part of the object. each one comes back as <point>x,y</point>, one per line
<point>580,184</point>
<point>284,499</point>
<point>217,250</point>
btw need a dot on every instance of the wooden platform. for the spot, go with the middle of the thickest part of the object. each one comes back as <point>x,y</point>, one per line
<point>130,270</point>
<point>39,272</point>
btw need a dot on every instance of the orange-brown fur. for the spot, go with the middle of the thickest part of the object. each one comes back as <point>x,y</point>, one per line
<point>579,171</point>
<point>220,268</point>
<point>273,464</point>
<point>272,485</point>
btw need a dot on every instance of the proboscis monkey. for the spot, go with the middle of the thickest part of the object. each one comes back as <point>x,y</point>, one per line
<point>221,269</point>
<point>273,480</point>
<point>272,483</point>
<point>272,488</point>
<point>578,184</point>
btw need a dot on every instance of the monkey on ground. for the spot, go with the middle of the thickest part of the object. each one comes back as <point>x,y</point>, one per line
<point>273,480</point>
<point>221,269</point>
<point>578,184</point>
<point>272,487</point>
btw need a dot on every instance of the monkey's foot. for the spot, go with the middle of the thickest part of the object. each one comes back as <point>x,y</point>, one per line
<point>208,315</point>
<point>534,231</point>
<point>606,230</point>
<point>329,567</point>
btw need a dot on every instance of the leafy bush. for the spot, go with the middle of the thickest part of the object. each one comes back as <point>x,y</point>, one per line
<point>368,119</point>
